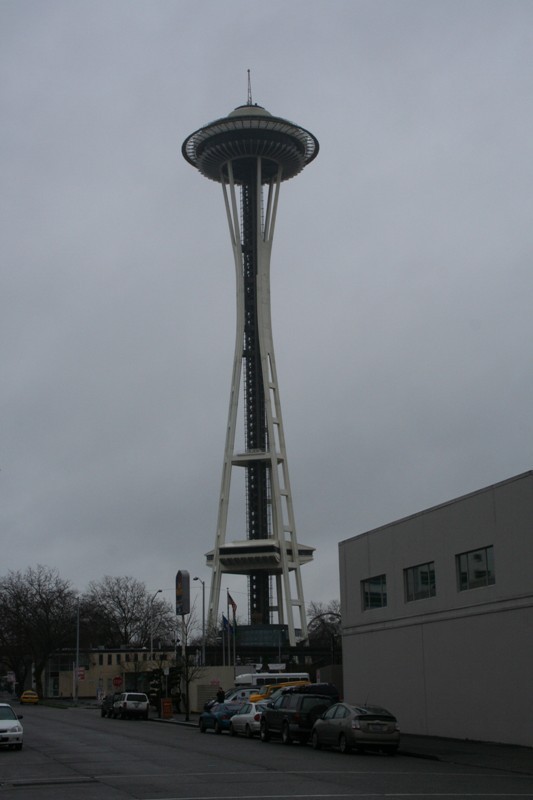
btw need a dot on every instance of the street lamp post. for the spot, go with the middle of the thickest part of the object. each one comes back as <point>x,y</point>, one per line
<point>77,662</point>
<point>203,618</point>
<point>152,624</point>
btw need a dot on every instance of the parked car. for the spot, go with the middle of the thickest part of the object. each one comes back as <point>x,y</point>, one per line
<point>29,696</point>
<point>293,715</point>
<point>247,720</point>
<point>313,688</point>
<point>356,727</point>
<point>11,730</point>
<point>241,695</point>
<point>218,717</point>
<point>131,705</point>
<point>106,706</point>
<point>266,692</point>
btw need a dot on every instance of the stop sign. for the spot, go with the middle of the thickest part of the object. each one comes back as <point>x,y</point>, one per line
<point>117,681</point>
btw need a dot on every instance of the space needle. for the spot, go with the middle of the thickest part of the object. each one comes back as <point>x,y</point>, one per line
<point>251,153</point>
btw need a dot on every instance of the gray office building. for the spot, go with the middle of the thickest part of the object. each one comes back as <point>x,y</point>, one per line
<point>438,616</point>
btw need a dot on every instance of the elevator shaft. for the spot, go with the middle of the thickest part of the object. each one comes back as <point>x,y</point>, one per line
<point>258,483</point>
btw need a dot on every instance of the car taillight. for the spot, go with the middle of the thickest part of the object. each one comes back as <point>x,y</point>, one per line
<point>356,725</point>
<point>257,717</point>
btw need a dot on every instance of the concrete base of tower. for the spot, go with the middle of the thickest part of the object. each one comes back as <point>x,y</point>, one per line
<point>251,555</point>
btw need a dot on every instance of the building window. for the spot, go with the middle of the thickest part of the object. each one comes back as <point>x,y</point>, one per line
<point>109,659</point>
<point>374,592</point>
<point>100,659</point>
<point>419,582</point>
<point>118,658</point>
<point>475,568</point>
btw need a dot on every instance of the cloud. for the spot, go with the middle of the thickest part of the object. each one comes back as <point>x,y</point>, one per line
<point>401,271</point>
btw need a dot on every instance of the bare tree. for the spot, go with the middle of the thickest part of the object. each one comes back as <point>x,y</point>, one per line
<point>324,627</point>
<point>38,612</point>
<point>125,615</point>
<point>187,662</point>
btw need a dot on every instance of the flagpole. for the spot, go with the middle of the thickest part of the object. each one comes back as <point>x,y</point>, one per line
<point>234,639</point>
<point>229,629</point>
<point>223,643</point>
<point>233,604</point>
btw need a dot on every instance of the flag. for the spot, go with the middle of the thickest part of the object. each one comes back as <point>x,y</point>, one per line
<point>232,603</point>
<point>227,626</point>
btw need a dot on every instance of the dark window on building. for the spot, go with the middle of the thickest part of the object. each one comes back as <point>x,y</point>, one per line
<point>118,658</point>
<point>109,659</point>
<point>475,568</point>
<point>374,592</point>
<point>419,582</point>
<point>101,659</point>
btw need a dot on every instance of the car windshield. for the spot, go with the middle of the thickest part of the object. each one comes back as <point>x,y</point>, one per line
<point>274,696</point>
<point>6,712</point>
<point>138,697</point>
<point>309,703</point>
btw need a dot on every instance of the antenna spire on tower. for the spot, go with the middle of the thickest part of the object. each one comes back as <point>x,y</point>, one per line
<point>249,89</point>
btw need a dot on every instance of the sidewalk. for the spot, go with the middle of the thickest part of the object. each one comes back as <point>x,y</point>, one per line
<point>506,757</point>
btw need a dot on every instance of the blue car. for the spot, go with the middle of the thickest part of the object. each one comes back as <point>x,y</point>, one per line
<point>217,717</point>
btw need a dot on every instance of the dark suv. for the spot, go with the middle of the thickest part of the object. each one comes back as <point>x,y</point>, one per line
<point>293,714</point>
<point>106,706</point>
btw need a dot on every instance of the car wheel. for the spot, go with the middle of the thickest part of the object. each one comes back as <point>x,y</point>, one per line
<point>344,747</point>
<point>264,735</point>
<point>202,727</point>
<point>232,730</point>
<point>218,729</point>
<point>248,732</point>
<point>315,741</point>
<point>286,737</point>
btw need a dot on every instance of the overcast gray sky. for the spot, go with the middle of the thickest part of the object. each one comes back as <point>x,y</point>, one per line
<point>402,278</point>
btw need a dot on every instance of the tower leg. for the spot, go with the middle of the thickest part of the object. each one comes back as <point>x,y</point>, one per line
<point>269,510</point>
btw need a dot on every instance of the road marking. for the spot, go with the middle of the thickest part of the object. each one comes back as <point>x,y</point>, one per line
<point>308,796</point>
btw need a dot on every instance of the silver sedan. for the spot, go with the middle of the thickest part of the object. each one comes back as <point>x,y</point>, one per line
<point>247,721</point>
<point>356,727</point>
